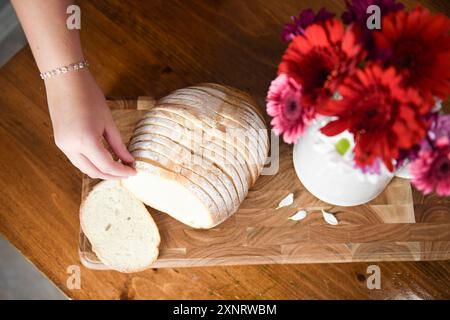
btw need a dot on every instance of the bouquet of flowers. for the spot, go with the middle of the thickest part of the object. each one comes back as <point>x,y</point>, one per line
<point>382,86</point>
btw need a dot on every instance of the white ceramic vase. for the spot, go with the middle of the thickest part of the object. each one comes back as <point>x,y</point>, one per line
<point>330,176</point>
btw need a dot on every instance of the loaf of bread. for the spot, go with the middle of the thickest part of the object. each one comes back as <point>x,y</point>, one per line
<point>198,151</point>
<point>121,231</point>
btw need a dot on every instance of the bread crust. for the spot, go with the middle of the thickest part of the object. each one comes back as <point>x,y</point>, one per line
<point>217,131</point>
<point>201,109</point>
<point>244,102</point>
<point>239,95</point>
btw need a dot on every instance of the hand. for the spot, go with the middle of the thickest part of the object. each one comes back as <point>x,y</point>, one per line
<point>80,119</point>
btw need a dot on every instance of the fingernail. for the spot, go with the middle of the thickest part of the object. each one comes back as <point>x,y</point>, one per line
<point>130,157</point>
<point>133,171</point>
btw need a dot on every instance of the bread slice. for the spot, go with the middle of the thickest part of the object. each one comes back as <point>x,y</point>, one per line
<point>203,106</point>
<point>171,192</point>
<point>176,150</point>
<point>229,105</point>
<point>247,107</point>
<point>237,129</point>
<point>233,146</point>
<point>225,172</point>
<point>241,115</point>
<point>180,156</point>
<point>223,103</point>
<point>189,122</point>
<point>243,101</point>
<point>199,142</point>
<point>121,231</point>
<point>235,96</point>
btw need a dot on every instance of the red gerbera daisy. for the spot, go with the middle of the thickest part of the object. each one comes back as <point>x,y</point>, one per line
<point>418,45</point>
<point>320,58</point>
<point>383,116</point>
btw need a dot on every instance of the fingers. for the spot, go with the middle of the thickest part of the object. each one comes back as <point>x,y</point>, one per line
<point>103,160</point>
<point>86,166</point>
<point>91,157</point>
<point>112,136</point>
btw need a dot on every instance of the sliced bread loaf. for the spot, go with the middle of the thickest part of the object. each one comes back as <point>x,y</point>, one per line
<point>165,146</point>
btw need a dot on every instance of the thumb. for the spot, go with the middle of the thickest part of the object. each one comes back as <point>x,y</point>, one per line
<point>112,136</point>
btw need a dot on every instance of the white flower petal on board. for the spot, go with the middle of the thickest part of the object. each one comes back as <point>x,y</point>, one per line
<point>330,218</point>
<point>287,201</point>
<point>299,215</point>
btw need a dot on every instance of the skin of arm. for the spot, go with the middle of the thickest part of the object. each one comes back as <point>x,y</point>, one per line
<point>77,106</point>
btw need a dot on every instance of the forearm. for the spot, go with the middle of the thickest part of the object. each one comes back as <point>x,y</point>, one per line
<point>80,116</point>
<point>44,22</point>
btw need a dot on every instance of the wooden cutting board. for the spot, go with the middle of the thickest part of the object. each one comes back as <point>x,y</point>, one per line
<point>385,229</point>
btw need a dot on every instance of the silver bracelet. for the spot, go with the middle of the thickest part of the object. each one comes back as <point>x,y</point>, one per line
<point>61,70</point>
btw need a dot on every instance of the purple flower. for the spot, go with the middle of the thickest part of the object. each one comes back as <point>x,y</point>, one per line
<point>304,20</point>
<point>357,13</point>
<point>440,128</point>
<point>374,168</point>
<point>431,168</point>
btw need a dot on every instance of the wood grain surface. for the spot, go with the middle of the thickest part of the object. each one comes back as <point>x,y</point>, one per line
<point>383,230</point>
<point>150,48</point>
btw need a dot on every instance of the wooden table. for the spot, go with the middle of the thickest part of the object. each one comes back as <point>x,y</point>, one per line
<point>150,49</point>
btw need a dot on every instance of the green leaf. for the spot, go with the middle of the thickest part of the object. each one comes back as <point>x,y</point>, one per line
<point>342,146</point>
<point>337,96</point>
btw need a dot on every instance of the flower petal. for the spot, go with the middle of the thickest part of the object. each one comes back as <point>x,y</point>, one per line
<point>335,127</point>
<point>287,201</point>
<point>299,215</point>
<point>330,218</point>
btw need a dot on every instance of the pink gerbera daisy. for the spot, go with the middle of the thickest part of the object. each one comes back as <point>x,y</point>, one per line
<point>289,117</point>
<point>431,168</point>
